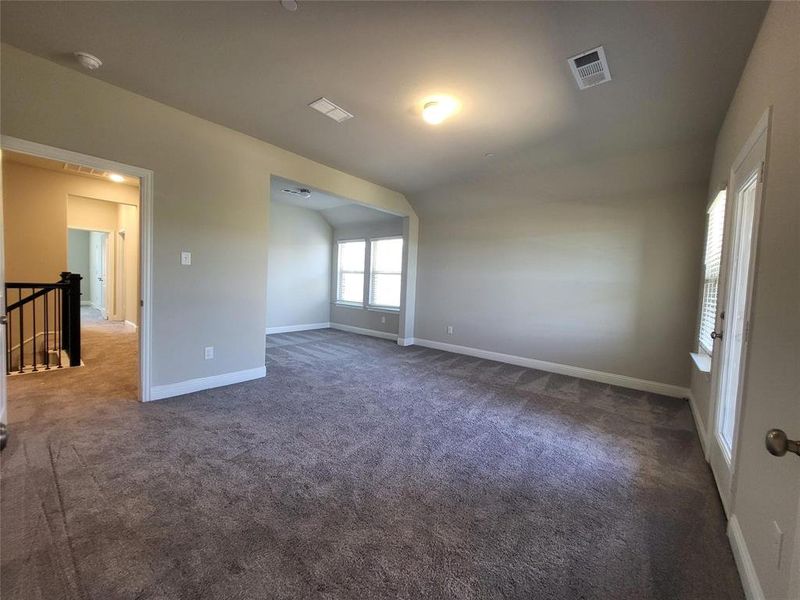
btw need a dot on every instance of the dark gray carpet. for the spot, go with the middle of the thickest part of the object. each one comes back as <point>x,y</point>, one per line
<point>357,469</point>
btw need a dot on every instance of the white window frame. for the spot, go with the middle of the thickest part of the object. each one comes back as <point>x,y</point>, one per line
<point>338,300</point>
<point>705,345</point>
<point>369,303</point>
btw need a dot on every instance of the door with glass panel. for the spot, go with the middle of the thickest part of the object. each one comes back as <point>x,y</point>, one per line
<point>730,336</point>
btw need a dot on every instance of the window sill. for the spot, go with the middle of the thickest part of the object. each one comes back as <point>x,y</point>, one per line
<point>383,309</point>
<point>348,304</point>
<point>702,362</point>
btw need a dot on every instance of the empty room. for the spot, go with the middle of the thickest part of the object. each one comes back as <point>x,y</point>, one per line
<point>400,300</point>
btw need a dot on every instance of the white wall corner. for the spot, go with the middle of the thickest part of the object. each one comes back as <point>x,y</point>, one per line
<point>405,341</point>
<point>747,570</point>
<point>643,385</point>
<point>169,390</point>
<point>292,328</point>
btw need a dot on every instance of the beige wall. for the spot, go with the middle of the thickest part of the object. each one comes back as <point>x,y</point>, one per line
<point>113,217</point>
<point>299,267</point>
<point>41,204</point>
<point>590,264</point>
<point>211,194</point>
<point>767,488</point>
<point>35,212</point>
<point>128,222</point>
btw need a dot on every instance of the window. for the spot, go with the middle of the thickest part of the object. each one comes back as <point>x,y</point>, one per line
<point>385,272</point>
<point>713,255</point>
<point>350,281</point>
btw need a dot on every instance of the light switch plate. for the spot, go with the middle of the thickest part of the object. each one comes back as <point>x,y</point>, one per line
<point>186,258</point>
<point>209,352</point>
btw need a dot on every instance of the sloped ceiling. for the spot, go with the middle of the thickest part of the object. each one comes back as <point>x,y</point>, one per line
<point>337,211</point>
<point>254,67</point>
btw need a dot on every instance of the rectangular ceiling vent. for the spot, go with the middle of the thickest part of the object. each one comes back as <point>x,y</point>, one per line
<point>84,170</point>
<point>329,109</point>
<point>590,68</point>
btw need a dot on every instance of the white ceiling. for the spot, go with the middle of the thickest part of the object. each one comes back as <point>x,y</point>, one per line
<point>339,212</point>
<point>254,67</point>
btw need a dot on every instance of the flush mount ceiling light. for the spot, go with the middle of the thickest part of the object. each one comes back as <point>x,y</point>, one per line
<point>88,61</point>
<point>290,5</point>
<point>116,177</point>
<point>438,108</point>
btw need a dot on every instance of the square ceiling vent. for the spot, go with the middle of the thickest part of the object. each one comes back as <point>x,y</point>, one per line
<point>590,68</point>
<point>84,170</point>
<point>329,109</point>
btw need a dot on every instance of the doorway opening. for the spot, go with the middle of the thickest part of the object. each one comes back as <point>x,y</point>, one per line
<point>332,264</point>
<point>76,272</point>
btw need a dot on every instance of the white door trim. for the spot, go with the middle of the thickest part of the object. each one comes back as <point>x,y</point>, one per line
<point>715,452</point>
<point>146,238</point>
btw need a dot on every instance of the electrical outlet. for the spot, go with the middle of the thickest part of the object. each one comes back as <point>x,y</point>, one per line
<point>186,258</point>
<point>777,544</point>
<point>209,352</point>
<point>449,330</point>
<point>383,319</point>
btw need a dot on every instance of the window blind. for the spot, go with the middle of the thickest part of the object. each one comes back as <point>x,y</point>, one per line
<point>385,272</point>
<point>713,257</point>
<point>350,265</point>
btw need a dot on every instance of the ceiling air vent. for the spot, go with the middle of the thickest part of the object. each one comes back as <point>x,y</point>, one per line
<point>302,192</point>
<point>329,109</point>
<point>84,170</point>
<point>590,68</point>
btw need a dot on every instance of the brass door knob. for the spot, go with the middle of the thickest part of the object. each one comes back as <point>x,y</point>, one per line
<point>778,444</point>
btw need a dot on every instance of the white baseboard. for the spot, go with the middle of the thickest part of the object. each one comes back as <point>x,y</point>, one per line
<point>291,328</point>
<point>747,570</point>
<point>360,330</point>
<point>699,425</point>
<point>405,341</point>
<point>131,324</point>
<point>159,392</point>
<point>643,385</point>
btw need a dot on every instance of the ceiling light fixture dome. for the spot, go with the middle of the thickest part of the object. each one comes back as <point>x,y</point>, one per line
<point>437,109</point>
<point>88,61</point>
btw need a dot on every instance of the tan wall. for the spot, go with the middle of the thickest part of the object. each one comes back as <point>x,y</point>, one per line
<point>211,195</point>
<point>112,217</point>
<point>767,488</point>
<point>128,222</point>
<point>39,206</point>
<point>35,213</point>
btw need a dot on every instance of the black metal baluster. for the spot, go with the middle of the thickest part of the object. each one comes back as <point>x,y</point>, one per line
<point>60,328</point>
<point>21,335</point>
<point>33,337</point>
<point>8,342</point>
<point>46,333</point>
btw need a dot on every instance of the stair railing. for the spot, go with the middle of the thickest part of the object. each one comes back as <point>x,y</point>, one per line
<point>43,324</point>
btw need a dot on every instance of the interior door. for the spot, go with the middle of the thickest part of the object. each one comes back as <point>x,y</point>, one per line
<point>98,271</point>
<point>733,312</point>
<point>104,275</point>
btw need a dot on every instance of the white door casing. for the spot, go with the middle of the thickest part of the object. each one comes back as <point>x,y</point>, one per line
<point>145,177</point>
<point>736,283</point>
